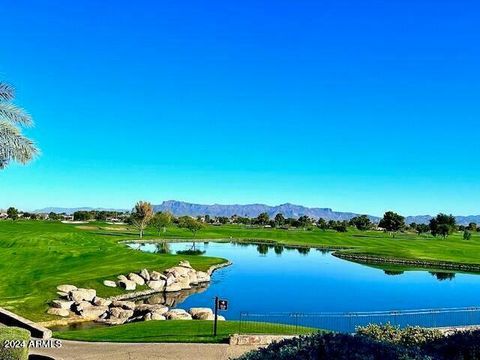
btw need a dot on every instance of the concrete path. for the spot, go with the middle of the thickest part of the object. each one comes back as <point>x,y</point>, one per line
<point>76,350</point>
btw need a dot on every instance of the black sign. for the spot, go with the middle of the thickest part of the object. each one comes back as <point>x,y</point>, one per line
<point>222,305</point>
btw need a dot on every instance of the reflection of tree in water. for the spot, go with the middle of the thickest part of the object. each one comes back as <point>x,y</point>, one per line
<point>162,248</point>
<point>278,249</point>
<point>443,275</point>
<point>393,272</point>
<point>323,251</point>
<point>303,251</point>
<point>262,249</point>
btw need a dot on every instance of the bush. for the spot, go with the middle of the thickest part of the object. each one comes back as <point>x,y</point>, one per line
<point>458,346</point>
<point>409,336</point>
<point>17,339</point>
<point>334,347</point>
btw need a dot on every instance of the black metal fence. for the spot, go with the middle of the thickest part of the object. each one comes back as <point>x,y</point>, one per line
<point>298,323</point>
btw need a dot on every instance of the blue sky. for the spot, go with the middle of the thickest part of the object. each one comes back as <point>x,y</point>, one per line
<point>359,106</point>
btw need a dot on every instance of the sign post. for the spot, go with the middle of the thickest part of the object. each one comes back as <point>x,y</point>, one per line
<point>219,305</point>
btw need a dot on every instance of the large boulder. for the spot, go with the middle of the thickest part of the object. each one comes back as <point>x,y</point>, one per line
<point>59,312</point>
<point>193,277</point>
<point>156,299</point>
<point>66,288</point>
<point>98,301</point>
<point>178,271</point>
<point>127,305</point>
<point>137,279</point>
<point>62,304</point>
<point>78,307</point>
<point>93,312</point>
<point>160,309</point>
<point>170,279</point>
<point>201,313</point>
<point>178,314</point>
<point>172,288</point>
<point>156,285</point>
<point>122,277</point>
<point>155,275</point>
<point>185,263</point>
<point>183,282</point>
<point>157,316</point>
<point>127,284</point>
<point>80,295</point>
<point>109,283</point>
<point>112,321</point>
<point>202,277</point>
<point>120,313</point>
<point>145,274</point>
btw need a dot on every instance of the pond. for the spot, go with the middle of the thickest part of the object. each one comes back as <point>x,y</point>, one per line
<point>267,278</point>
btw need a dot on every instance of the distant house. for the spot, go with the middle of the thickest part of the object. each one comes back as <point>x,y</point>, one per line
<point>66,217</point>
<point>3,215</point>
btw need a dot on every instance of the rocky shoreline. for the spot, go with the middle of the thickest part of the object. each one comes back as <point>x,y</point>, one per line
<point>426,264</point>
<point>80,305</point>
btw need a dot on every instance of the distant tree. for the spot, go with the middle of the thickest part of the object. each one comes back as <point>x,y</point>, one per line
<point>341,226</point>
<point>160,221</point>
<point>141,215</point>
<point>33,216</point>
<point>392,222</point>
<point>222,219</point>
<point>472,226</point>
<point>207,219</point>
<point>413,226</point>
<point>53,216</point>
<point>422,229</point>
<point>361,222</point>
<point>322,224</point>
<point>442,225</point>
<point>262,219</point>
<point>304,221</point>
<point>190,224</point>
<point>14,146</point>
<point>12,213</point>
<point>82,215</point>
<point>279,219</point>
<point>467,235</point>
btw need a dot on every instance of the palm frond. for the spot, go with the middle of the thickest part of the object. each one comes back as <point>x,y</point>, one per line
<point>14,114</point>
<point>14,146</point>
<point>6,92</point>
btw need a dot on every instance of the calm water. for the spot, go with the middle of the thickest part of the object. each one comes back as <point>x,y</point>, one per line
<point>268,279</point>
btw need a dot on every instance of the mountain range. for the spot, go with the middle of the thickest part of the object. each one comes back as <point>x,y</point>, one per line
<point>180,208</point>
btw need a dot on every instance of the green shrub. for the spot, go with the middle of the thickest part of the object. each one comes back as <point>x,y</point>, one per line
<point>409,336</point>
<point>333,347</point>
<point>14,343</point>
<point>458,346</point>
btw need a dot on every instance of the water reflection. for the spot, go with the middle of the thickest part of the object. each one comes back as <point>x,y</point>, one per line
<point>162,248</point>
<point>303,251</point>
<point>278,249</point>
<point>393,272</point>
<point>441,276</point>
<point>262,249</point>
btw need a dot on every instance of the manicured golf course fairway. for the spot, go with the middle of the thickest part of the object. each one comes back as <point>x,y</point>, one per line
<point>36,256</point>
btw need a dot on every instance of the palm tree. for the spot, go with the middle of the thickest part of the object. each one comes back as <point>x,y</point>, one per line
<point>14,146</point>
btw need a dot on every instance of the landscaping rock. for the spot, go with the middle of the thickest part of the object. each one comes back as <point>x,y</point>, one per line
<point>137,279</point>
<point>193,277</point>
<point>145,274</point>
<point>78,307</point>
<point>152,308</point>
<point>80,295</point>
<point>156,285</point>
<point>127,284</point>
<point>126,305</point>
<point>170,279</point>
<point>62,304</point>
<point>202,277</point>
<point>122,277</point>
<point>156,316</point>
<point>155,275</point>
<point>156,299</point>
<point>120,313</point>
<point>185,263</point>
<point>173,287</point>
<point>220,318</point>
<point>109,283</point>
<point>98,301</point>
<point>183,282</point>
<point>113,321</point>
<point>178,314</point>
<point>62,294</point>
<point>201,313</point>
<point>66,288</point>
<point>93,312</point>
<point>59,312</point>
<point>147,317</point>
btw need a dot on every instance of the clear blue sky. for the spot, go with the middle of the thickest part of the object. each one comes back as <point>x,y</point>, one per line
<point>360,106</point>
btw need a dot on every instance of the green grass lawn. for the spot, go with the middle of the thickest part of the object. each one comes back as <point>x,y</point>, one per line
<point>36,256</point>
<point>177,331</point>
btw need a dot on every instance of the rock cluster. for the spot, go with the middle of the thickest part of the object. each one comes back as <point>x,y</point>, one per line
<point>180,277</point>
<point>86,304</point>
